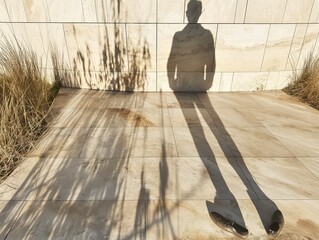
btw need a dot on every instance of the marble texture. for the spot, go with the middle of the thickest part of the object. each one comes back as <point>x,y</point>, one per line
<point>89,11</point>
<point>190,117</point>
<point>36,11</point>
<point>122,11</point>
<point>284,79</point>
<point>249,81</point>
<point>9,211</point>
<point>124,142</point>
<point>141,47</point>
<point>61,142</point>
<point>200,141</point>
<point>259,142</point>
<point>241,11</point>
<point>289,176</point>
<point>99,219</point>
<point>259,11</point>
<point>311,163</point>
<point>218,11</point>
<point>272,81</point>
<point>301,141</point>
<point>296,46</point>
<point>54,40</point>
<point>278,47</point>
<point>4,17</point>
<point>298,11</point>
<point>71,11</point>
<point>309,43</point>
<point>257,154</point>
<point>16,10</point>
<point>226,82</point>
<point>226,100</point>
<point>240,43</point>
<point>314,17</point>
<point>171,11</point>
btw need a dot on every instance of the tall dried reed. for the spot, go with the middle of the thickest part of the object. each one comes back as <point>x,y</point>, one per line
<point>305,83</point>
<point>25,97</point>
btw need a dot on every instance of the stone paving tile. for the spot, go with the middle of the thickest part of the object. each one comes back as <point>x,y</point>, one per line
<point>122,117</point>
<point>281,178</point>
<point>150,100</point>
<point>9,212</point>
<point>301,141</point>
<point>189,219</point>
<point>286,117</point>
<point>190,117</point>
<point>183,100</point>
<point>74,118</point>
<point>233,117</point>
<point>151,166</point>
<point>81,220</point>
<point>228,100</point>
<point>200,141</point>
<point>312,163</point>
<point>133,142</point>
<point>66,142</point>
<point>253,142</point>
<point>20,185</point>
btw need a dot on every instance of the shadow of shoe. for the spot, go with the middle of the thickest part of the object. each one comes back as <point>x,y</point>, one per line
<point>277,223</point>
<point>222,215</point>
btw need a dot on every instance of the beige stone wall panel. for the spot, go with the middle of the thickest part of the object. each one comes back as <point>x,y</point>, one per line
<point>278,47</point>
<point>298,11</point>
<point>240,47</point>
<point>16,10</point>
<point>260,11</point>
<point>4,17</point>
<point>36,11</point>
<point>66,11</point>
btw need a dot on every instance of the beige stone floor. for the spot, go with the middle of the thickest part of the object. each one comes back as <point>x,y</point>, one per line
<point>152,165</point>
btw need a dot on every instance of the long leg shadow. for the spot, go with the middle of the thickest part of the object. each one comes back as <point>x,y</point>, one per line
<point>222,190</point>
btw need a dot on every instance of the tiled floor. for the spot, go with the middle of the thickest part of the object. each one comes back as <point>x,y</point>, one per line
<point>152,165</point>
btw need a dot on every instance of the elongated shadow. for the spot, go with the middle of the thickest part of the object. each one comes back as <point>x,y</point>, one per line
<point>190,68</point>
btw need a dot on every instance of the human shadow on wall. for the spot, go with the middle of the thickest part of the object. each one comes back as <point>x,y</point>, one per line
<point>191,66</point>
<point>191,63</point>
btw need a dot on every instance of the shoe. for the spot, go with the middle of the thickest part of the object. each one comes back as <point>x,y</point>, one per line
<point>229,225</point>
<point>277,223</point>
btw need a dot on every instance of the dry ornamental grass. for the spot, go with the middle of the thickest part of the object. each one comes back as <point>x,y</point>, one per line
<point>305,84</point>
<point>25,97</point>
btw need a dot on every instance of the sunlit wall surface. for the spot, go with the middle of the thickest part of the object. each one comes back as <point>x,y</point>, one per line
<point>125,44</point>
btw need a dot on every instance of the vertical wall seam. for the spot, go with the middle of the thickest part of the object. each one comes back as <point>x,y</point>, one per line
<point>267,80</point>
<point>292,42</point>
<point>184,11</point>
<point>66,44</point>
<point>283,16</point>
<point>46,3</point>
<point>236,11</point>
<point>156,46</point>
<point>303,43</point>
<point>232,82</point>
<point>262,61</point>
<point>96,14</point>
<point>127,48</point>
<point>83,11</point>
<point>244,20</point>
<point>313,4</point>
<point>25,12</point>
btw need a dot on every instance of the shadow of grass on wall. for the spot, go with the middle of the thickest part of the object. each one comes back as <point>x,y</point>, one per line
<point>121,63</point>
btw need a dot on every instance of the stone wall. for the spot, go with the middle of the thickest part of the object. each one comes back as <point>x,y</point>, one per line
<point>125,44</point>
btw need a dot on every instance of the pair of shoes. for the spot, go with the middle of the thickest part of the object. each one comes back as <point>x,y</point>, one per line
<point>229,225</point>
<point>277,223</point>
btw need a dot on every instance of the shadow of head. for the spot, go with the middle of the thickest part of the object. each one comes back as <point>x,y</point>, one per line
<point>194,10</point>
